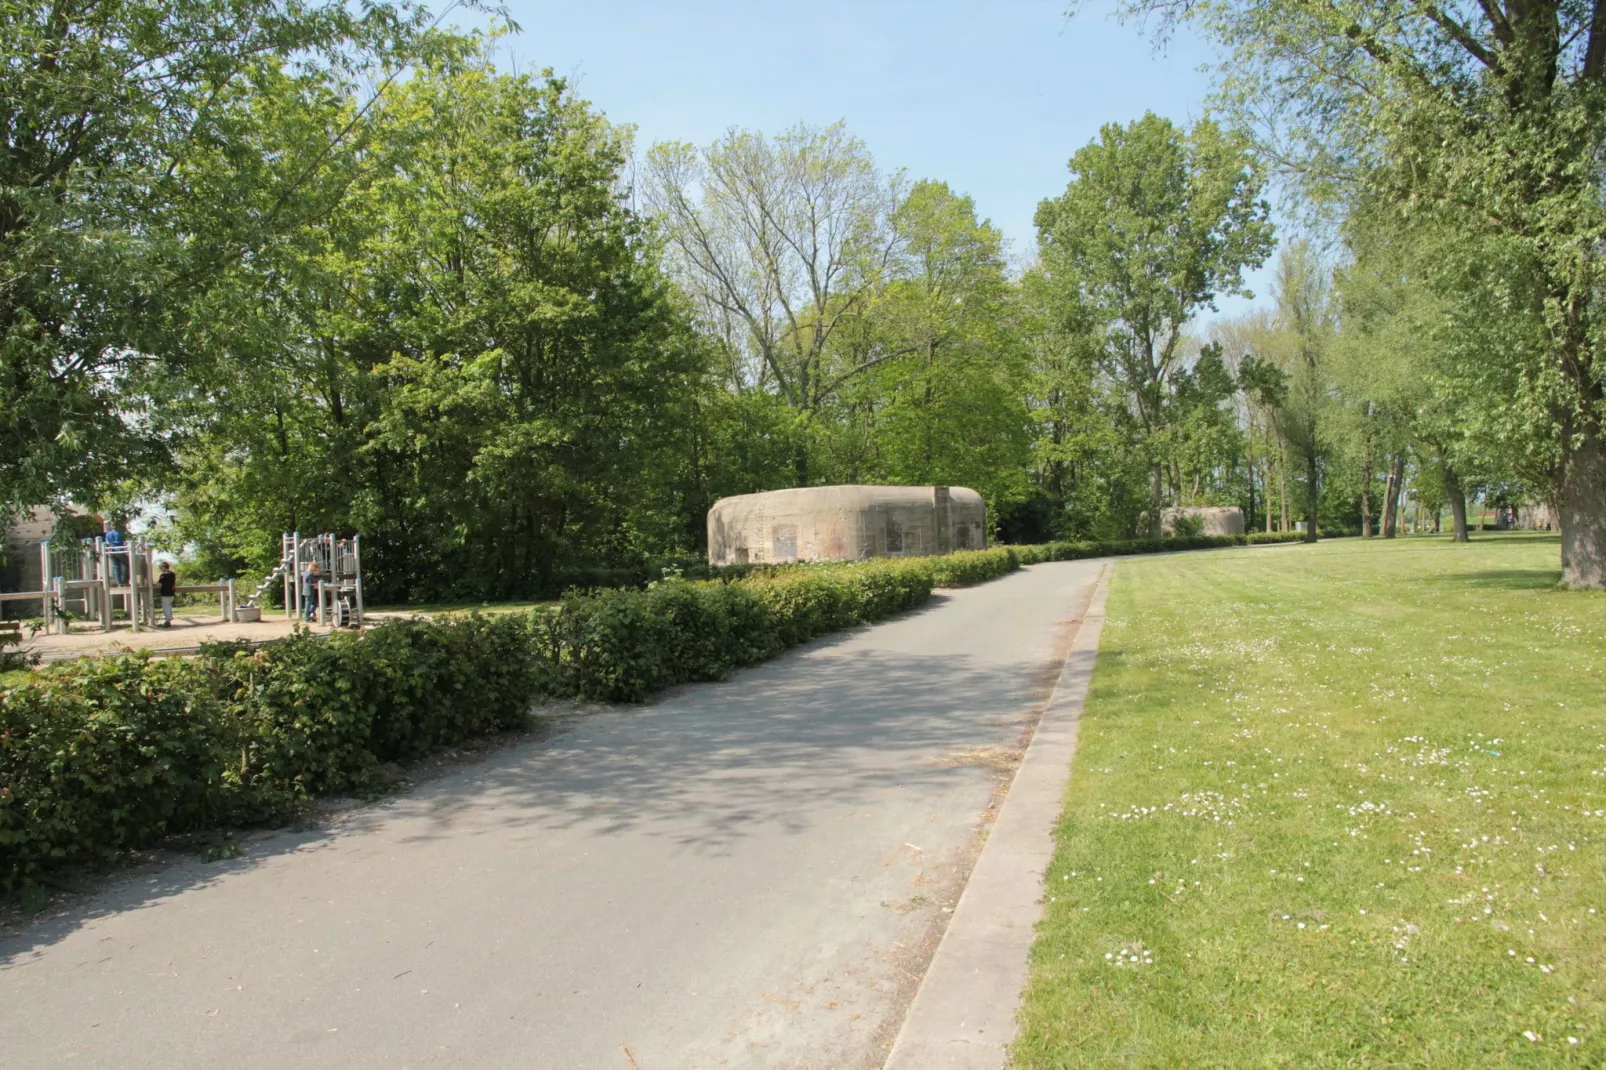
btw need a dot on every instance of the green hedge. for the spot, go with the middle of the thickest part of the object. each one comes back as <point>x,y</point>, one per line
<point>105,755</point>
<point>109,754</point>
<point>1075,551</point>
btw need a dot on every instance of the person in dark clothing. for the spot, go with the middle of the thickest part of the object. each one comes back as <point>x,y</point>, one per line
<point>167,587</point>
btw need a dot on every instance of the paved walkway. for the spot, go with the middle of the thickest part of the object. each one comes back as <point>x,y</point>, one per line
<point>745,874</point>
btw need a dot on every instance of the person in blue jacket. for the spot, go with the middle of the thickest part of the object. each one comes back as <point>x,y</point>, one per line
<point>119,554</point>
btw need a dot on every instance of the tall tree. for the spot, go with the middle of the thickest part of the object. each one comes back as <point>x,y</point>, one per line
<point>1487,121</point>
<point>948,408</point>
<point>477,361</point>
<point>1155,224</point>
<point>121,121</point>
<point>1306,315</point>
<point>782,243</point>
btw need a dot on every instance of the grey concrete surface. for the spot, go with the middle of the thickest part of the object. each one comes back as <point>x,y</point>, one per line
<point>744,874</point>
<point>963,1017</point>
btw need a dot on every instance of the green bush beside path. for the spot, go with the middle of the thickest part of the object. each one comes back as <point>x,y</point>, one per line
<point>110,754</point>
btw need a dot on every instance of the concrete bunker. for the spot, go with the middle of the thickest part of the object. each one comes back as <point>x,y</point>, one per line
<point>844,523</point>
<point>1213,519</point>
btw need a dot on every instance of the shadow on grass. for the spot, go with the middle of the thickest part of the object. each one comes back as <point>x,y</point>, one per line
<point>1504,579</point>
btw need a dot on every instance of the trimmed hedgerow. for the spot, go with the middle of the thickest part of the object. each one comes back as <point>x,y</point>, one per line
<point>111,754</point>
<point>1075,551</point>
<point>965,568</point>
<point>624,645</point>
<point>105,755</point>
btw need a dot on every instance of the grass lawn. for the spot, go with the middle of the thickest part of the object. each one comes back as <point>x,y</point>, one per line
<point>1334,805</point>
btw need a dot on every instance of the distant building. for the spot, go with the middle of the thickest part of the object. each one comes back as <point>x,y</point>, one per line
<point>20,569</point>
<point>1214,519</point>
<point>844,523</point>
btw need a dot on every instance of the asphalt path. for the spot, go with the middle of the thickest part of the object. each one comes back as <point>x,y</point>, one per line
<point>745,874</point>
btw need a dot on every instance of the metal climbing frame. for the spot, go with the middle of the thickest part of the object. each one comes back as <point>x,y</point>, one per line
<point>337,596</point>
<point>95,579</point>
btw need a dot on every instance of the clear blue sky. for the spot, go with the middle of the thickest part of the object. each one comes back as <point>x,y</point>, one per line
<point>990,97</point>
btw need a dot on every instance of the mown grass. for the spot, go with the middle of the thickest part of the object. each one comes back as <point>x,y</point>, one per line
<point>1334,805</point>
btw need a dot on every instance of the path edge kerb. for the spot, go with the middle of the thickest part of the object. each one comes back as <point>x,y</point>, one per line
<point>963,1014</point>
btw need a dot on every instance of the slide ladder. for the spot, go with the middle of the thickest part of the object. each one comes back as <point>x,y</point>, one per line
<point>268,581</point>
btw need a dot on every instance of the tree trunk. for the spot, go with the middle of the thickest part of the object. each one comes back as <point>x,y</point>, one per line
<point>1581,511</point>
<point>1391,500</point>
<point>1458,504</point>
<point>1249,521</point>
<point>1267,490</point>
<point>1312,496</point>
<point>1282,474</point>
<point>1156,477</point>
<point>1366,488</point>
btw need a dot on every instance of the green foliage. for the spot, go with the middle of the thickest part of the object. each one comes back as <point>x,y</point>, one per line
<point>130,182</point>
<point>1474,133</point>
<point>475,362</point>
<point>966,568</point>
<point>1155,224</point>
<point>105,755</point>
<point>1186,526</point>
<point>1077,551</point>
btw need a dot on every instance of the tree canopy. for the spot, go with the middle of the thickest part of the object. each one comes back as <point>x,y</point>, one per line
<point>284,266</point>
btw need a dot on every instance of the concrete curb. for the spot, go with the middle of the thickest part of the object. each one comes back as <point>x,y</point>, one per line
<point>964,1012</point>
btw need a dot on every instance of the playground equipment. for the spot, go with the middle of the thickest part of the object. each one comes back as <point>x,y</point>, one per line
<point>96,579</point>
<point>335,597</point>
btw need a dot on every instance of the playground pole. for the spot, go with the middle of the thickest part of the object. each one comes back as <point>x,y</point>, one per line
<point>136,613</point>
<point>295,574</point>
<point>356,560</point>
<point>44,585</point>
<point>105,588</point>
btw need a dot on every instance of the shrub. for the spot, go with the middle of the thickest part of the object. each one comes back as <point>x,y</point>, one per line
<point>966,568</point>
<point>1075,551</point>
<point>106,755</point>
<point>1258,538</point>
<point>1187,526</point>
<point>110,754</point>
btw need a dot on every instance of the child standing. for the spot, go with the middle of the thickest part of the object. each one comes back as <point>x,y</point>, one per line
<point>167,587</point>
<point>309,582</point>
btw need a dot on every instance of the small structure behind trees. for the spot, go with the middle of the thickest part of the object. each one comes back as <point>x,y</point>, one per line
<point>844,523</point>
<point>1210,519</point>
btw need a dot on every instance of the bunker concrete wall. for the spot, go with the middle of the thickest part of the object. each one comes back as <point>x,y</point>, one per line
<point>844,523</point>
<point>1216,519</point>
